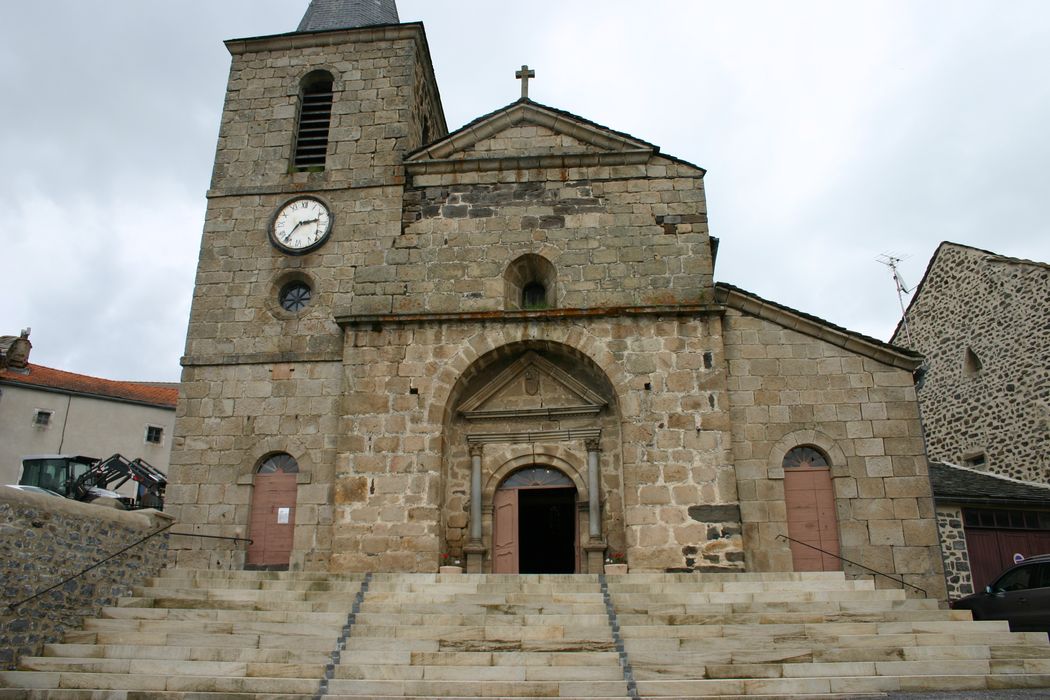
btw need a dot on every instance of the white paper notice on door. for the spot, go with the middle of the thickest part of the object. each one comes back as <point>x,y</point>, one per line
<point>282,515</point>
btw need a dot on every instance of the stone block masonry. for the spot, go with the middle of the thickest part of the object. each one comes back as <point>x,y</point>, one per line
<point>43,540</point>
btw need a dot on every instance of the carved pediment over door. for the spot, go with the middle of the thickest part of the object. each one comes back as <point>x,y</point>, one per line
<point>532,387</point>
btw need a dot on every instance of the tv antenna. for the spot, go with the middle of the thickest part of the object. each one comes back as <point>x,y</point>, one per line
<point>892,261</point>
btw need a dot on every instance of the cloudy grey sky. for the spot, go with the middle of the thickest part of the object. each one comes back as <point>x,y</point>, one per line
<point>832,132</point>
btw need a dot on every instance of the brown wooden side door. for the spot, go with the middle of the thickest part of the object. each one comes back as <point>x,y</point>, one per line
<point>272,524</point>
<point>505,532</point>
<point>811,518</point>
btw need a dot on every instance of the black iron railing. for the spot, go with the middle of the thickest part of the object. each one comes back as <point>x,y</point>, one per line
<point>874,572</point>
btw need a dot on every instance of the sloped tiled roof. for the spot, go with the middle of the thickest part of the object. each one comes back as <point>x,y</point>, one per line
<point>961,485</point>
<point>324,15</point>
<point>160,394</point>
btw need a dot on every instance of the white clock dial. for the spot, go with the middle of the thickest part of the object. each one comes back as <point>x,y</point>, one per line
<point>301,225</point>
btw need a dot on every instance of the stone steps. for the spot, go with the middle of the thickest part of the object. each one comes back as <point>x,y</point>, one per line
<point>478,689</point>
<point>786,641</point>
<point>184,653</point>
<point>194,635</point>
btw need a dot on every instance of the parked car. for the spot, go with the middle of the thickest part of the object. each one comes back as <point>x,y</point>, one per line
<point>1021,594</point>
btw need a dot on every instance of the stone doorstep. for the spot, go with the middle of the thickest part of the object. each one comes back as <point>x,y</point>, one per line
<point>254,575</point>
<point>241,641</point>
<point>174,667</point>
<point>221,615</point>
<point>320,606</point>
<point>370,606</point>
<point>19,694</point>
<point>286,629</point>
<point>655,660</point>
<point>802,687</point>
<point>154,681</point>
<point>670,649</point>
<point>374,657</point>
<point>609,672</point>
<point>824,606</point>
<point>478,689</point>
<point>636,621</point>
<point>634,599</point>
<point>376,619</point>
<point>438,598</point>
<point>253,594</point>
<point>628,588</point>
<point>196,653</point>
<point>487,632</point>
<point>248,584</point>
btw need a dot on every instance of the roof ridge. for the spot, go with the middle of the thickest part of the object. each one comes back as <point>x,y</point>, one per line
<point>1001,477</point>
<point>45,377</point>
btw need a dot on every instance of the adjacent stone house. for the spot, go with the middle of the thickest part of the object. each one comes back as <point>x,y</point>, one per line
<point>50,411</point>
<point>982,321</point>
<point>504,344</point>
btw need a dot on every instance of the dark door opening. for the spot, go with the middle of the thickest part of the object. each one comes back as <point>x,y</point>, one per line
<point>547,531</point>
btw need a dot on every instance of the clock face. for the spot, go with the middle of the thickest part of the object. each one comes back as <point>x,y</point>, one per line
<point>301,225</point>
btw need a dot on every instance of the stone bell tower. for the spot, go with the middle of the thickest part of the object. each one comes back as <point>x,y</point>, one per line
<point>306,188</point>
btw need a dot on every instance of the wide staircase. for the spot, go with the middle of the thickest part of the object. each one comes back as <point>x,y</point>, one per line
<point>225,635</point>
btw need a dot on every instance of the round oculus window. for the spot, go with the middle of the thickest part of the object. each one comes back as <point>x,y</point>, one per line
<point>294,296</point>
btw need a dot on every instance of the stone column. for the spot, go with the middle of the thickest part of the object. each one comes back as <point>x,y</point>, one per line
<point>595,547</point>
<point>475,494</point>
<point>475,550</point>
<point>594,488</point>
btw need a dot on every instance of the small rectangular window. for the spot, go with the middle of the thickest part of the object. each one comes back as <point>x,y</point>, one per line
<point>42,418</point>
<point>977,459</point>
<point>154,434</point>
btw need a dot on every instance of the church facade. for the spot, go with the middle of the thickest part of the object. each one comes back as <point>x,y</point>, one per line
<point>504,345</point>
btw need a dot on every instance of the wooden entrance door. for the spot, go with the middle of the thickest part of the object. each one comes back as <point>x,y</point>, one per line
<point>273,519</point>
<point>534,518</point>
<point>811,518</point>
<point>505,532</point>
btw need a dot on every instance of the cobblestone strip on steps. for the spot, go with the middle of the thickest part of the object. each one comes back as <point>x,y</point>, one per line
<point>614,624</point>
<point>340,644</point>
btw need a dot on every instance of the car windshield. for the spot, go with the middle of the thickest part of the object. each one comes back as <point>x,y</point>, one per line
<point>1024,578</point>
<point>48,474</point>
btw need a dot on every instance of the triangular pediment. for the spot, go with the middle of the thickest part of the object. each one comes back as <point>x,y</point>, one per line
<point>531,387</point>
<point>526,129</point>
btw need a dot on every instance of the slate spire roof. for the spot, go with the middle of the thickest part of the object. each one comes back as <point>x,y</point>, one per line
<point>347,14</point>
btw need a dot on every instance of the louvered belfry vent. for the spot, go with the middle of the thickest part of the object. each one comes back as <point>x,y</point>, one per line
<point>315,120</point>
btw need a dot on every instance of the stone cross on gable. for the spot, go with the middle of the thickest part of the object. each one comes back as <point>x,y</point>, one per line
<point>523,75</point>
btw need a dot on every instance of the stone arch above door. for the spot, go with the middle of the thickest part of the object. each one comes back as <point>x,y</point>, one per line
<point>523,403</point>
<point>827,444</point>
<point>546,457</point>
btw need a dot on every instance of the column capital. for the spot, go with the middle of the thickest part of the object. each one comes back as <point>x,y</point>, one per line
<point>476,449</point>
<point>592,444</point>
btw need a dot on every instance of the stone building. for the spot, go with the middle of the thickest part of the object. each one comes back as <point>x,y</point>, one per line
<point>505,344</point>
<point>50,411</point>
<point>982,321</point>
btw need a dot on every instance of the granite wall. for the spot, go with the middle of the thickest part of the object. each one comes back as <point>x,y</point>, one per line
<point>43,541</point>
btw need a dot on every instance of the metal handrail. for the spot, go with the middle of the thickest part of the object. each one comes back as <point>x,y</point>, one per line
<point>901,580</point>
<point>215,537</point>
<point>15,606</point>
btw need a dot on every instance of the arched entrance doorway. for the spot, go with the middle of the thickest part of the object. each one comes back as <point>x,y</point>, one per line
<point>811,518</point>
<point>272,523</point>
<point>535,523</point>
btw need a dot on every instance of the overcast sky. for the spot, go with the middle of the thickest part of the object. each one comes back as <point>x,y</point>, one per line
<point>832,132</point>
